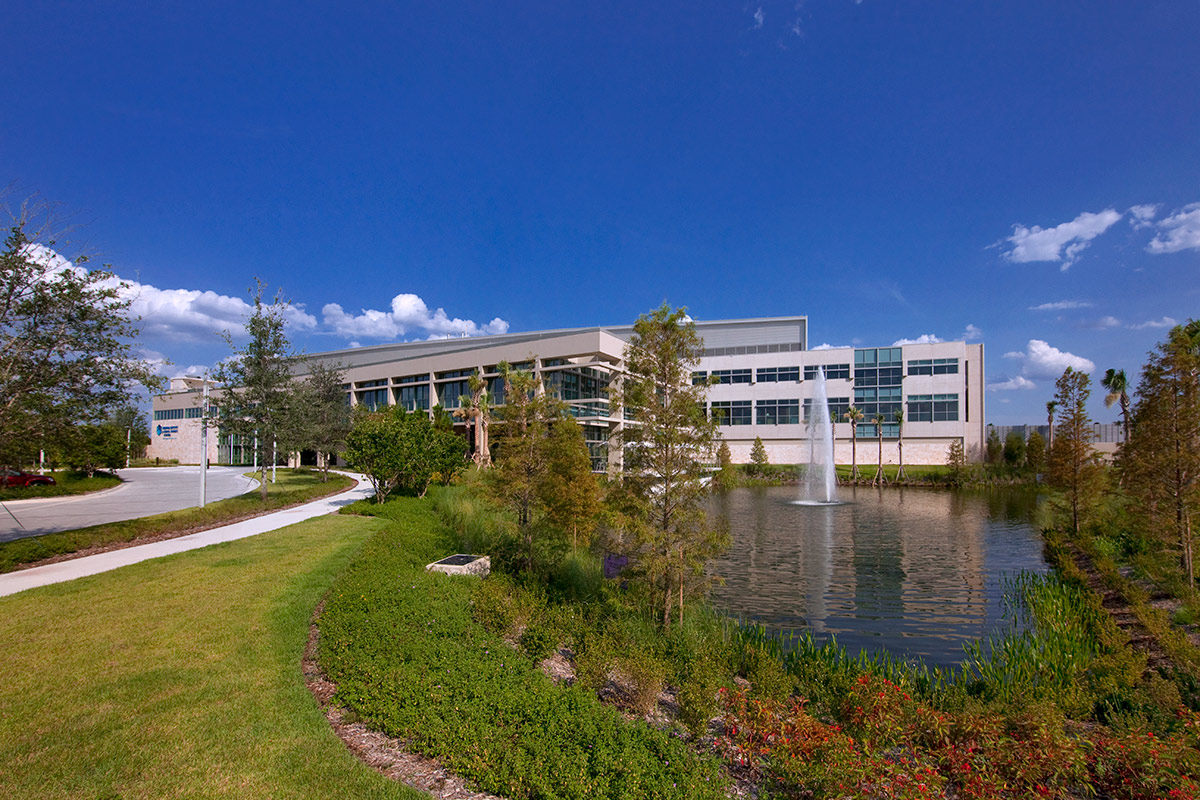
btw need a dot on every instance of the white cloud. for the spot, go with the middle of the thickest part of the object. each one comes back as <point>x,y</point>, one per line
<point>1011,384</point>
<point>925,338</point>
<point>1061,305</point>
<point>1041,361</point>
<point>408,313</point>
<point>1180,231</point>
<point>828,346</point>
<point>971,333</point>
<point>759,17</point>
<point>1101,324</point>
<point>1140,216</point>
<point>164,368</point>
<point>1165,322</point>
<point>1063,242</point>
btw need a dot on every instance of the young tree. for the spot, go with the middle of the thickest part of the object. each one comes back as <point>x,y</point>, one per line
<point>956,461</point>
<point>477,414</point>
<point>758,457</point>
<point>855,416</point>
<point>401,451</point>
<point>136,430</point>
<point>1035,453</point>
<point>521,450</point>
<point>726,477</point>
<point>1161,462</point>
<point>259,390</point>
<point>569,492</point>
<point>65,338</point>
<point>1074,464</point>
<point>89,448</point>
<point>898,414</point>
<point>1014,449</point>
<point>993,447</point>
<point>665,445</point>
<point>323,416</point>
<point>878,480</point>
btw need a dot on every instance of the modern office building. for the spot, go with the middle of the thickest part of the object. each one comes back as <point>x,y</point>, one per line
<point>761,370</point>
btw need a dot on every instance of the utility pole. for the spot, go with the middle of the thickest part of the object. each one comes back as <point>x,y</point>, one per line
<point>274,457</point>
<point>128,438</point>
<point>204,444</point>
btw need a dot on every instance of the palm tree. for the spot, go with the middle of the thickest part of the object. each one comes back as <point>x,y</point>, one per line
<point>477,414</point>
<point>1050,408</point>
<point>833,436</point>
<point>1118,391</point>
<point>879,480</point>
<point>899,415</point>
<point>855,416</point>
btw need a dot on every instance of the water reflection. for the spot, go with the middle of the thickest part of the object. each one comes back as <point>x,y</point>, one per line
<point>915,572</point>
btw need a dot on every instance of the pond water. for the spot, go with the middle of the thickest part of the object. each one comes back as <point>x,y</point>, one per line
<point>916,572</point>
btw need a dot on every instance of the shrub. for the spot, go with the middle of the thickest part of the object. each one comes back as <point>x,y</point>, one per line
<point>538,642</point>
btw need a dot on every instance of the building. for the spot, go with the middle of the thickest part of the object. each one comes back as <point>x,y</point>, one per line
<point>761,370</point>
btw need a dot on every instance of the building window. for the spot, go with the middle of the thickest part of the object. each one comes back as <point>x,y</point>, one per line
<point>369,384</point>
<point>699,378</point>
<point>832,372</point>
<point>413,398</point>
<point>411,379</point>
<point>866,430</point>
<point>933,407</point>
<point>777,412</point>
<point>933,366</point>
<point>450,394</point>
<point>732,375</point>
<point>373,399</point>
<point>838,406</point>
<point>778,375</point>
<point>731,412</point>
<point>883,400</point>
<point>456,373</point>
<point>169,413</point>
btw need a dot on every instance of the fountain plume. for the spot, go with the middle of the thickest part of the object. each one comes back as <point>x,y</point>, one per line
<point>820,477</point>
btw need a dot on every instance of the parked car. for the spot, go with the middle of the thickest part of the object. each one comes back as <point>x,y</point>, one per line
<point>12,477</point>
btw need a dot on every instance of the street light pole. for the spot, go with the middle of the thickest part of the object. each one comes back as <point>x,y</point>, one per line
<point>204,444</point>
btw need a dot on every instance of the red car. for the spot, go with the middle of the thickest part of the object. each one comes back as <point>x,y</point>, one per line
<point>9,477</point>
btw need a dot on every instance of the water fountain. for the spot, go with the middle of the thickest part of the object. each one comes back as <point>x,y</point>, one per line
<point>820,476</point>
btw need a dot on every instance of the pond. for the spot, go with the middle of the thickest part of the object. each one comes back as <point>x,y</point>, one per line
<point>916,572</point>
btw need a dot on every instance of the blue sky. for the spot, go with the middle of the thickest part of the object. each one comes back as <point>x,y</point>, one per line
<point>1026,174</point>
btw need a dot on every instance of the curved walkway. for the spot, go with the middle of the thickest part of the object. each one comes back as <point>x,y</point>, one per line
<point>146,491</point>
<point>103,562</point>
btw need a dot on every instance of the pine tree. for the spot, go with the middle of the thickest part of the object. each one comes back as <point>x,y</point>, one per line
<point>663,492</point>
<point>758,457</point>
<point>1161,459</point>
<point>1035,453</point>
<point>726,476</point>
<point>956,461</point>
<point>1074,464</point>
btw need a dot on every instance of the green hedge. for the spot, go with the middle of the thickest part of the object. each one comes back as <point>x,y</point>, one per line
<point>408,657</point>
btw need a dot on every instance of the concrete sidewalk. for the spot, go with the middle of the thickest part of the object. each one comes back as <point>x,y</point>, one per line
<point>21,580</point>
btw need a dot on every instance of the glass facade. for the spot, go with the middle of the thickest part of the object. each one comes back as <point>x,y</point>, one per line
<point>866,430</point>
<point>933,366</point>
<point>832,372</point>
<point>732,375</point>
<point>932,408</point>
<point>778,375</point>
<point>413,398</point>
<point>374,399</point>
<point>451,395</point>
<point>777,412</point>
<point>731,412</point>
<point>838,406</point>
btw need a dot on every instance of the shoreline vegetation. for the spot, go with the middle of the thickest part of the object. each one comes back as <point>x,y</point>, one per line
<point>928,476</point>
<point>502,675</point>
<point>294,487</point>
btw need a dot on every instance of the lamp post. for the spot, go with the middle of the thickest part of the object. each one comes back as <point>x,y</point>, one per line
<point>204,444</point>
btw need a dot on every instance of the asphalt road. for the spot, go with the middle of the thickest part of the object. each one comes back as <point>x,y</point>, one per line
<point>146,491</point>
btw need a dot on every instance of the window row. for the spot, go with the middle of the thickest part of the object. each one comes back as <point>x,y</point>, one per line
<point>832,372</point>
<point>933,408</point>
<point>878,357</point>
<point>933,366</point>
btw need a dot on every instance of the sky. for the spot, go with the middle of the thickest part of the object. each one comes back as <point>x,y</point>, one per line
<point>1022,174</point>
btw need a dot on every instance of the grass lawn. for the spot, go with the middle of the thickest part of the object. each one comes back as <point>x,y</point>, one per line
<point>67,483</point>
<point>291,489</point>
<point>179,677</point>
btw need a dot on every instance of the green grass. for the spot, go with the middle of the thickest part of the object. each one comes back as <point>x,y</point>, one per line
<point>179,677</point>
<point>469,699</point>
<point>68,483</point>
<point>292,488</point>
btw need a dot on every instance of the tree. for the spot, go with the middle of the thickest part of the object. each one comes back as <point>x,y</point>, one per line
<point>1035,453</point>
<point>956,461</point>
<point>879,480</point>
<point>1014,449</point>
<point>401,451</point>
<point>89,448</point>
<point>993,447</point>
<point>136,430</point>
<point>1051,406</point>
<point>855,416</point>
<point>898,415</point>
<point>477,414</point>
<point>521,450</point>
<point>1118,392</point>
<point>65,338</point>
<point>569,492</point>
<point>666,444</point>
<point>758,457</point>
<point>323,418</point>
<point>259,391</point>
<point>1074,464</point>
<point>1161,462</point>
<point>833,418</point>
<point>726,477</point>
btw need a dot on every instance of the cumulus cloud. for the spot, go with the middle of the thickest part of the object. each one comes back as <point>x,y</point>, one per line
<point>971,333</point>
<point>1140,216</point>
<point>1061,305</point>
<point>1179,231</point>
<point>164,368</point>
<point>1004,384</point>
<point>925,338</point>
<point>1043,362</point>
<point>1062,243</point>
<point>1165,322</point>
<point>827,346</point>
<point>408,313</point>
